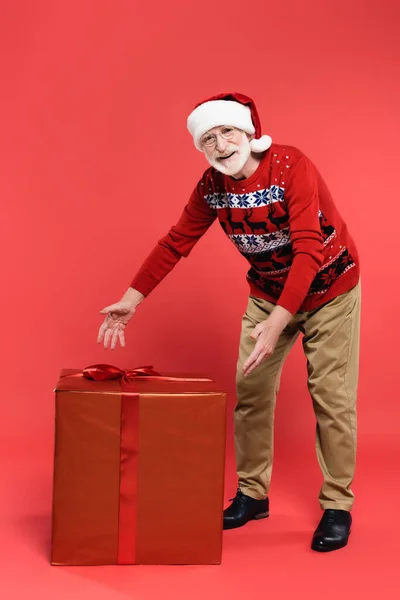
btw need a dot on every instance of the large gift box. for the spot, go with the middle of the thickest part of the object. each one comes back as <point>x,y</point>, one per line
<point>138,468</point>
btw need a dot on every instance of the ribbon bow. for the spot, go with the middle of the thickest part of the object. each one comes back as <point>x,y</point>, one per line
<point>106,372</point>
<point>103,372</point>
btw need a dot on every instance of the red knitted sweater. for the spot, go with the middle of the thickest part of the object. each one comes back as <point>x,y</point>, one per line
<point>282,219</point>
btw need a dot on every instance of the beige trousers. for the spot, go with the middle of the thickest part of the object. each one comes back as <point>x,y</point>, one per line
<point>331,345</point>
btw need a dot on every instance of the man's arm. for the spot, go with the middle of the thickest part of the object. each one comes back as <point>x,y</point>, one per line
<point>195,220</point>
<point>307,242</point>
<point>305,233</point>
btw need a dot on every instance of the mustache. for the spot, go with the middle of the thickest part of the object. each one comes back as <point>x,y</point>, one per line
<point>228,152</point>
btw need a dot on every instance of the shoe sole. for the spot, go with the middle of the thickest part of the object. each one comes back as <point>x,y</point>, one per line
<point>326,548</point>
<point>263,515</point>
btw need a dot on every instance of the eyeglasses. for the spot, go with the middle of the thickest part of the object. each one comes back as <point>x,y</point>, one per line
<point>210,139</point>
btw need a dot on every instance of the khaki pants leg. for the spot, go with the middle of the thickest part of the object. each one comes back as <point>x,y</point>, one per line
<point>331,345</point>
<point>254,412</point>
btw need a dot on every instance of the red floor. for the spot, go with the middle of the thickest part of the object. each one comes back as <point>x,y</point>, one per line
<point>266,559</point>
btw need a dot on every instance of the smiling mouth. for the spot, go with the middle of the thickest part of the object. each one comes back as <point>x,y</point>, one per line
<point>226,157</point>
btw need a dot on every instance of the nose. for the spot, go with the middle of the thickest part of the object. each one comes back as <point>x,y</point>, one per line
<point>221,143</point>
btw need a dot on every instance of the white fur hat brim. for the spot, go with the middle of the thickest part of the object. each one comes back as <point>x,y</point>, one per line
<point>217,113</point>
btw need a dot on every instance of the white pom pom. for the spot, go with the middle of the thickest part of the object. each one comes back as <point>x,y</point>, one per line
<point>262,144</point>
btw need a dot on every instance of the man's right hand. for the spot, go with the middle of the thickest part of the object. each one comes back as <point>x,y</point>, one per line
<point>117,318</point>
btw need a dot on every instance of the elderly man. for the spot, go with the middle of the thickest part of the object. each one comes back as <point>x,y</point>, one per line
<point>273,204</point>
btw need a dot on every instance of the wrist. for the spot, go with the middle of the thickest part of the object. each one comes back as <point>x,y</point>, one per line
<point>280,317</point>
<point>133,297</point>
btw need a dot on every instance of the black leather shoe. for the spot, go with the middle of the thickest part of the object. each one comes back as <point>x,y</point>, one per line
<point>333,531</point>
<point>244,509</point>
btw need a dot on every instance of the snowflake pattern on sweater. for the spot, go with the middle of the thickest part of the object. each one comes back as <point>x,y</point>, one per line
<point>258,223</point>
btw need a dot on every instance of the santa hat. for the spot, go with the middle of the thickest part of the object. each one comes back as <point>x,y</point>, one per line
<point>232,109</point>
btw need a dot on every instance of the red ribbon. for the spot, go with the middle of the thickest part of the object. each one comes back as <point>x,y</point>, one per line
<point>107,372</point>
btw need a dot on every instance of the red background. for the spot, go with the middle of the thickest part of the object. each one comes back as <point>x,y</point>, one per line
<point>94,103</point>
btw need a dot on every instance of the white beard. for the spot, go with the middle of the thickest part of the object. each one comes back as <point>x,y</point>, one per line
<point>232,166</point>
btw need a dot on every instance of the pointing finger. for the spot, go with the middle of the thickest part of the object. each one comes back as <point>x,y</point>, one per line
<point>107,337</point>
<point>101,333</point>
<point>114,339</point>
<point>249,362</point>
<point>253,365</point>
<point>103,329</point>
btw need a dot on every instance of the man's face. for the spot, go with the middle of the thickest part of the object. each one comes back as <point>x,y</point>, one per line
<point>227,149</point>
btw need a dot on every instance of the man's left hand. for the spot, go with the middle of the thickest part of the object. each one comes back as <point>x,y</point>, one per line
<point>267,334</point>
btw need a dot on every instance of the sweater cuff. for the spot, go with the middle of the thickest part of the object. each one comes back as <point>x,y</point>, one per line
<point>143,284</point>
<point>291,301</point>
